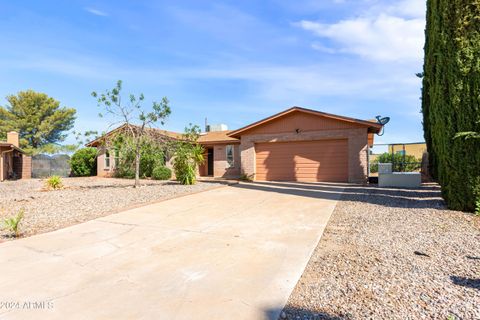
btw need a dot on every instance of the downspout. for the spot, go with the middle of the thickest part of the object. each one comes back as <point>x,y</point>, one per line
<point>2,162</point>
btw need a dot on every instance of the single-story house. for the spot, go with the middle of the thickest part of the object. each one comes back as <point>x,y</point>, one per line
<point>14,163</point>
<point>107,159</point>
<point>297,144</point>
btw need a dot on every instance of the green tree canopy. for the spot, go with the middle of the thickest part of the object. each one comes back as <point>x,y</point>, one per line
<point>38,119</point>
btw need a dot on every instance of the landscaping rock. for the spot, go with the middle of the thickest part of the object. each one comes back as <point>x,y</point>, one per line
<point>392,254</point>
<point>80,200</point>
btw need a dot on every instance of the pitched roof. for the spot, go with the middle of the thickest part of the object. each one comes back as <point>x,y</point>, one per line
<point>372,126</point>
<point>166,133</point>
<point>216,137</point>
<point>8,144</point>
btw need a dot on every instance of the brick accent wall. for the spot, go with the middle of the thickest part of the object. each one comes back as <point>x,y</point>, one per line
<point>220,161</point>
<point>357,148</point>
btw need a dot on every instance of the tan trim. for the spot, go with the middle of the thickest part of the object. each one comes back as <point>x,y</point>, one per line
<point>207,143</point>
<point>376,127</point>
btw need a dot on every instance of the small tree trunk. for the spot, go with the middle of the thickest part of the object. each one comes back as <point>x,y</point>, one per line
<point>137,167</point>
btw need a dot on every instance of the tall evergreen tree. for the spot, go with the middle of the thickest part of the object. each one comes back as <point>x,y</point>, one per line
<point>38,118</point>
<point>451,98</point>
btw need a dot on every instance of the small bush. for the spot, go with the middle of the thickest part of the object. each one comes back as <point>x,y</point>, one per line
<point>161,173</point>
<point>151,156</point>
<point>246,178</point>
<point>84,162</point>
<point>411,163</point>
<point>125,172</point>
<point>12,224</point>
<point>54,183</point>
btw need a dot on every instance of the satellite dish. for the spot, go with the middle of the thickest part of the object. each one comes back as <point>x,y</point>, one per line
<point>383,121</point>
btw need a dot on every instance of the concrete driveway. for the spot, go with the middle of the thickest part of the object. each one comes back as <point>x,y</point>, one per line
<point>229,253</point>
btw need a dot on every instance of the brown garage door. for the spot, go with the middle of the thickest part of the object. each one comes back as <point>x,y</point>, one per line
<point>308,161</point>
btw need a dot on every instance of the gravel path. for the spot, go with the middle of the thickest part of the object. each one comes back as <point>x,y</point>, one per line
<point>392,254</point>
<point>82,199</point>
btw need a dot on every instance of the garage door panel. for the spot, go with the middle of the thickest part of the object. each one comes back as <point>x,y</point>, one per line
<point>322,160</point>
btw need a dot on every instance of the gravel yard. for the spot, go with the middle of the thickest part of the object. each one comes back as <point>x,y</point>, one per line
<point>392,254</point>
<point>81,199</point>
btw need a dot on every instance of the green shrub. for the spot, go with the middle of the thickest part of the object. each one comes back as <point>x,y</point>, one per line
<point>188,155</point>
<point>161,173</point>
<point>400,164</point>
<point>54,183</point>
<point>151,156</point>
<point>84,162</point>
<point>12,224</point>
<point>246,178</point>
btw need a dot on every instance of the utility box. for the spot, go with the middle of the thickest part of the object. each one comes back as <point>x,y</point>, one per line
<point>400,179</point>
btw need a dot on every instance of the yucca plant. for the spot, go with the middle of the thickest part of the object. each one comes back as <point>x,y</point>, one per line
<point>12,223</point>
<point>188,155</point>
<point>54,183</point>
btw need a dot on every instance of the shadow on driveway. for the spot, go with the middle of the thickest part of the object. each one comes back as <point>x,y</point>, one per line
<point>300,313</point>
<point>428,196</point>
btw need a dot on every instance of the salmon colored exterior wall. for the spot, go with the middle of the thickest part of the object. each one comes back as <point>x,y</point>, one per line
<point>302,121</point>
<point>220,168</point>
<point>102,171</point>
<point>308,130</point>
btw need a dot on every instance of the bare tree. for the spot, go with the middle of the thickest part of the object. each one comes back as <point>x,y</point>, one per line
<point>137,121</point>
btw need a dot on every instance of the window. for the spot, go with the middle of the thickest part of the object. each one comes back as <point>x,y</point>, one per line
<point>107,159</point>
<point>401,152</point>
<point>230,160</point>
<point>117,158</point>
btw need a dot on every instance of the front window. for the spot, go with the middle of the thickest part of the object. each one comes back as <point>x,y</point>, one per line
<point>230,160</point>
<point>117,158</point>
<point>107,159</point>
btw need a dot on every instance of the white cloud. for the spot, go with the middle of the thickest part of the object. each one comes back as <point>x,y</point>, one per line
<point>395,33</point>
<point>96,12</point>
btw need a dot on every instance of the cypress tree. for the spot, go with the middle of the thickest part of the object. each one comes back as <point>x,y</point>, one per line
<point>451,98</point>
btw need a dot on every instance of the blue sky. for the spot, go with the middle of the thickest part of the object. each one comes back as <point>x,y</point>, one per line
<point>233,62</point>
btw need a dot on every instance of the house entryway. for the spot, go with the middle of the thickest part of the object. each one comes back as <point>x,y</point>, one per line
<point>210,162</point>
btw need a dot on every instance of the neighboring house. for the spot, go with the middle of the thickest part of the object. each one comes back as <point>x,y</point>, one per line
<point>14,163</point>
<point>416,149</point>
<point>412,149</point>
<point>297,144</point>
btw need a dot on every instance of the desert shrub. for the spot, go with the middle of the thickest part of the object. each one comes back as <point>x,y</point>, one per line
<point>161,173</point>
<point>54,182</point>
<point>246,178</point>
<point>188,155</point>
<point>12,224</point>
<point>84,162</point>
<point>400,164</point>
<point>151,156</point>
